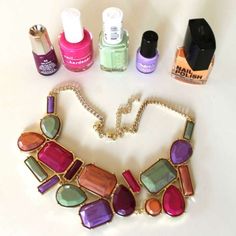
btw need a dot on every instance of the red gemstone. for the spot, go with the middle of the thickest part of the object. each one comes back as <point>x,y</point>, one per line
<point>131,181</point>
<point>30,141</point>
<point>173,201</point>
<point>55,157</point>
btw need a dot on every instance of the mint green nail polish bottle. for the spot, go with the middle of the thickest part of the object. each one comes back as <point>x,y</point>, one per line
<point>113,41</point>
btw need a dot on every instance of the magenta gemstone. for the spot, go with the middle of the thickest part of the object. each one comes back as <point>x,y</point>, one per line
<point>181,150</point>
<point>55,157</point>
<point>132,182</point>
<point>173,201</point>
<point>123,201</point>
<point>95,213</point>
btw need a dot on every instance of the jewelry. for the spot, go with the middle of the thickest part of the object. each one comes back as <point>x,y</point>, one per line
<point>168,180</point>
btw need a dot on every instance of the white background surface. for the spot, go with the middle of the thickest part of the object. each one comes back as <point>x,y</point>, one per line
<point>23,211</point>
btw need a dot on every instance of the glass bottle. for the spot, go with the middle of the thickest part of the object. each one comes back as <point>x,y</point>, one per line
<point>113,41</point>
<point>194,61</point>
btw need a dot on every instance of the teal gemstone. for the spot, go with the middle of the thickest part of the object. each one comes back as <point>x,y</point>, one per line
<point>69,195</point>
<point>188,130</point>
<point>36,169</point>
<point>50,126</point>
<point>158,176</point>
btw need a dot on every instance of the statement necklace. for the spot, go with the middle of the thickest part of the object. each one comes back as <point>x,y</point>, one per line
<point>168,180</point>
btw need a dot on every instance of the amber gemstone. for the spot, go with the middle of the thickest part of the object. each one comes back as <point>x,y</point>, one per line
<point>97,180</point>
<point>153,206</point>
<point>30,141</point>
<point>185,180</point>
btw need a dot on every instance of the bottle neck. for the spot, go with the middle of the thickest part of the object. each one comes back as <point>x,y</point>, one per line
<point>113,33</point>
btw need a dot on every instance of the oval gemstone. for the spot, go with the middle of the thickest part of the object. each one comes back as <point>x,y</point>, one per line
<point>96,213</point>
<point>181,150</point>
<point>50,126</point>
<point>173,201</point>
<point>153,206</point>
<point>123,201</point>
<point>97,180</point>
<point>30,141</point>
<point>69,195</point>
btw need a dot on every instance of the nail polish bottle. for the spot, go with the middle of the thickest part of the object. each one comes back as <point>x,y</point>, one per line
<point>113,41</point>
<point>147,55</point>
<point>194,61</point>
<point>76,44</point>
<point>44,55</point>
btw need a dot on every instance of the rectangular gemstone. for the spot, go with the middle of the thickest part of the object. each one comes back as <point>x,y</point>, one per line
<point>36,169</point>
<point>50,104</point>
<point>185,180</point>
<point>97,180</point>
<point>48,184</point>
<point>95,213</point>
<point>55,157</point>
<point>188,130</point>
<point>158,176</point>
<point>71,172</point>
<point>131,181</point>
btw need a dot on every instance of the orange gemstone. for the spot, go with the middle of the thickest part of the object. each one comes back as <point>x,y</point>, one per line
<point>97,180</point>
<point>29,141</point>
<point>153,207</point>
<point>185,180</point>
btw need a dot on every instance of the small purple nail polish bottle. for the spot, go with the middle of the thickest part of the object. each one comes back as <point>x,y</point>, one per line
<point>43,52</point>
<point>147,55</point>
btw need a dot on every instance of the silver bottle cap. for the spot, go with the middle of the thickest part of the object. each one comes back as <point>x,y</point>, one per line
<point>40,41</point>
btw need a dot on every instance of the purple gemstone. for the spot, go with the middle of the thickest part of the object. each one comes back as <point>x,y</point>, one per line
<point>123,201</point>
<point>95,213</point>
<point>50,104</point>
<point>181,150</point>
<point>48,184</point>
<point>73,170</point>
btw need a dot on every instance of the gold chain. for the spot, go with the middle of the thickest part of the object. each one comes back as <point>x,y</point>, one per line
<point>119,130</point>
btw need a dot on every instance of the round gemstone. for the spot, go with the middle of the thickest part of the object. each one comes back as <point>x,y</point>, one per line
<point>69,195</point>
<point>173,201</point>
<point>153,206</point>
<point>123,201</point>
<point>30,141</point>
<point>50,126</point>
<point>181,150</point>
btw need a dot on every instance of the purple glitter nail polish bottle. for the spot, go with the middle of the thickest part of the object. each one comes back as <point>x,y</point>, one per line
<point>147,55</point>
<point>43,52</point>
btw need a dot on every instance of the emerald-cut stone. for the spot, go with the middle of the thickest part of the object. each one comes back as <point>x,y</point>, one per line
<point>69,195</point>
<point>50,126</point>
<point>188,130</point>
<point>36,169</point>
<point>158,176</point>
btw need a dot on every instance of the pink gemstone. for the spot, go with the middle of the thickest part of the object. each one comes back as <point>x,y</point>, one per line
<point>131,181</point>
<point>173,201</point>
<point>55,157</point>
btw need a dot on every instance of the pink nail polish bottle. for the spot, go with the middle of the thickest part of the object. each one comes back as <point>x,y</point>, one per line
<point>75,42</point>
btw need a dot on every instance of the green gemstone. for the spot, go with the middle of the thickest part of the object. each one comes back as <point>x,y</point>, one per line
<point>36,169</point>
<point>158,176</point>
<point>50,126</point>
<point>188,130</point>
<point>69,195</point>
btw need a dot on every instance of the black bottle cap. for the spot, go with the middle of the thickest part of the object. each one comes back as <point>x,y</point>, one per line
<point>148,47</point>
<point>199,44</point>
